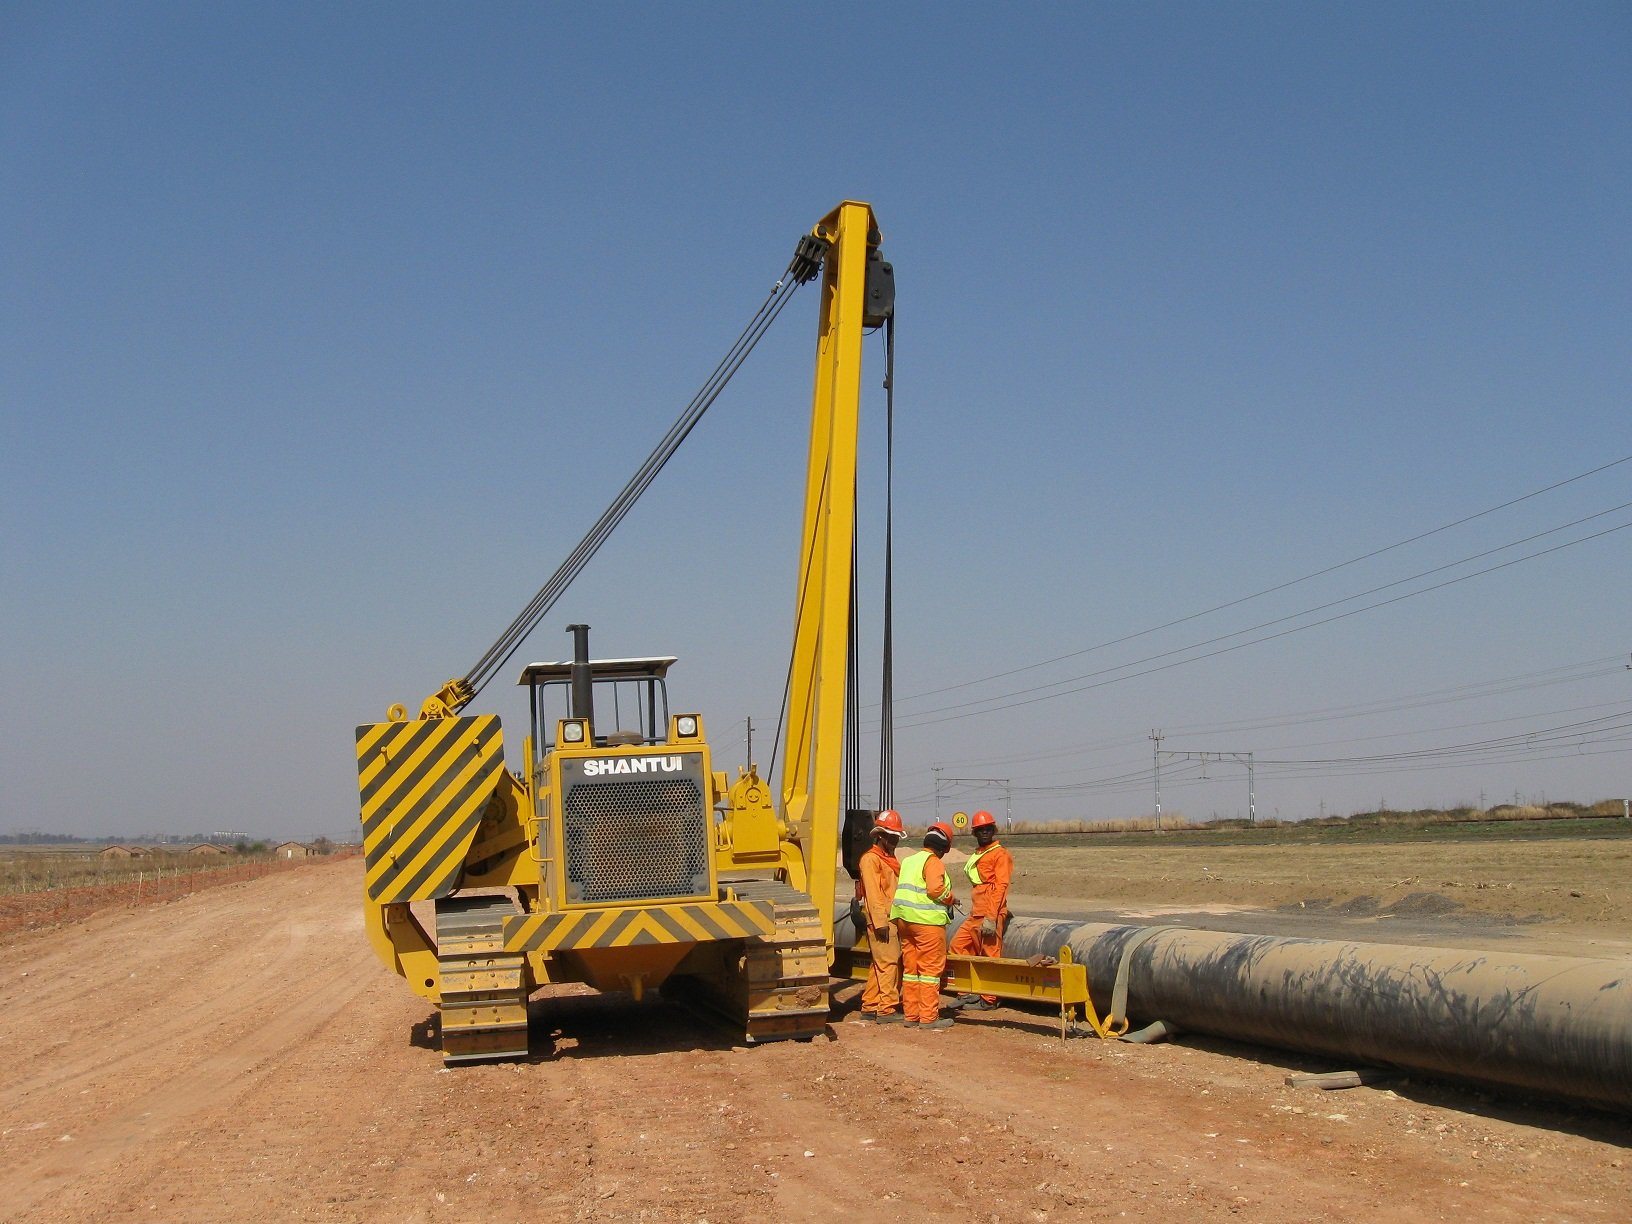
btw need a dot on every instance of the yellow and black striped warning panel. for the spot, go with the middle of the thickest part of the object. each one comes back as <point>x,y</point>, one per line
<point>423,785</point>
<point>631,926</point>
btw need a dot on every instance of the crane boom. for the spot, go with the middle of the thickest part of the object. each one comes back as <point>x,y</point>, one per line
<point>812,775</point>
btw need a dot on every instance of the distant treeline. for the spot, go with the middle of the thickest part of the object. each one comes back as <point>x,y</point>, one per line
<point>36,838</point>
<point>1385,817</point>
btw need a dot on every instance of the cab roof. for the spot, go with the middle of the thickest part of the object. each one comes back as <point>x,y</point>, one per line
<point>602,669</point>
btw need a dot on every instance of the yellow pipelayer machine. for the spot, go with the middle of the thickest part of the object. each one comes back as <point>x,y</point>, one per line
<point>616,854</point>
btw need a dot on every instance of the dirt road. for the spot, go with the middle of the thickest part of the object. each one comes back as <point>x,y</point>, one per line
<point>238,1054</point>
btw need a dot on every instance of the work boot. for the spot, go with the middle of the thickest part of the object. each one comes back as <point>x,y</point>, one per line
<point>945,1022</point>
<point>958,1003</point>
<point>979,1004</point>
<point>886,1018</point>
<point>910,1024</point>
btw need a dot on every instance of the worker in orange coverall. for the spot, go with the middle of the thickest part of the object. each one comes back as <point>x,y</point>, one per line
<point>922,908</point>
<point>991,870</point>
<point>881,998</point>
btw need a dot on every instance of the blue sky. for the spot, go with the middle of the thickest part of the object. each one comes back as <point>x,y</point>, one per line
<point>325,332</point>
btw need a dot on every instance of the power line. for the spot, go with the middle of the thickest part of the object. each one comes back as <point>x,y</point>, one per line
<point>1252,642</point>
<point>1488,722</point>
<point>1422,730</point>
<point>1522,682</point>
<point>1496,750</point>
<point>1391,771</point>
<point>1476,690</point>
<point>1291,616</point>
<point>1376,552</point>
<point>1542,735</point>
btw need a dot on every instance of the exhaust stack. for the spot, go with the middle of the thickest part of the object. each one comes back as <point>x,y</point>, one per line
<point>583,687</point>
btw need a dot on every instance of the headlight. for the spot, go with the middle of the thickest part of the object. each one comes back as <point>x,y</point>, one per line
<point>572,732</point>
<point>686,725</point>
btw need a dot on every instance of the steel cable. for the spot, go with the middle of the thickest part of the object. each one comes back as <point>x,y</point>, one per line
<point>498,654</point>
<point>886,728</point>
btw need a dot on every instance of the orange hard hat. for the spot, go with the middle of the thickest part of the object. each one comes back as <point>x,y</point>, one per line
<point>981,819</point>
<point>889,821</point>
<point>945,833</point>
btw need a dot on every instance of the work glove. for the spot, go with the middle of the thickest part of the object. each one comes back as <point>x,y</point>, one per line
<point>881,933</point>
<point>988,929</point>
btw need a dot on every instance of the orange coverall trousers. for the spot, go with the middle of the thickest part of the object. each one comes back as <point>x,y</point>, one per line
<point>923,961</point>
<point>883,989</point>
<point>970,942</point>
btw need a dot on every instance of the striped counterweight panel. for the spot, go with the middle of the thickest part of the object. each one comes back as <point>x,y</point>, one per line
<point>632,926</point>
<point>423,786</point>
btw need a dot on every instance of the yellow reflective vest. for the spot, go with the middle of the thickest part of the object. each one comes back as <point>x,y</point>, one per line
<point>971,866</point>
<point>912,900</point>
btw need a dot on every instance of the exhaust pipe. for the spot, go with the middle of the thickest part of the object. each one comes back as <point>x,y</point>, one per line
<point>583,686</point>
<point>1553,1025</point>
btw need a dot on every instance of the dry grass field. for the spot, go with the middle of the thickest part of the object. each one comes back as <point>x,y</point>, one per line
<point>25,869</point>
<point>1582,880</point>
<point>45,888</point>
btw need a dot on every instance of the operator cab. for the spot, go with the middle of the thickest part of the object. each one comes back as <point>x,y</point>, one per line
<point>630,705</point>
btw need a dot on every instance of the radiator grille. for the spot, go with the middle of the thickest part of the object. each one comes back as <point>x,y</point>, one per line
<point>636,840</point>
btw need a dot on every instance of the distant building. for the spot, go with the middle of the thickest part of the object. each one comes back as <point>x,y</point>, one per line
<point>125,852</point>
<point>293,850</point>
<point>209,850</point>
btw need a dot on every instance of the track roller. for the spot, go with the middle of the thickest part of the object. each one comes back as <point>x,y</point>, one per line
<point>784,987</point>
<point>484,989</point>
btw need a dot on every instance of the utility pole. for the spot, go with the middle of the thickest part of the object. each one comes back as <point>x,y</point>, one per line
<point>750,740</point>
<point>1156,739</point>
<point>1008,794</point>
<point>1241,758</point>
<point>936,770</point>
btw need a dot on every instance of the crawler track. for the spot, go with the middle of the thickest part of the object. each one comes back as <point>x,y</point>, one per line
<point>784,989</point>
<point>484,989</point>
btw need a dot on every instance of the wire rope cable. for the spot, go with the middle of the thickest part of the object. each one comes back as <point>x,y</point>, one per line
<point>886,728</point>
<point>500,653</point>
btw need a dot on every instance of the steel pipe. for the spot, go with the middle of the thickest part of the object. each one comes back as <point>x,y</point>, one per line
<point>1554,1025</point>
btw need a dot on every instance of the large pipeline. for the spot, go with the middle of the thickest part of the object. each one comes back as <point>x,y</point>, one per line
<point>1553,1025</point>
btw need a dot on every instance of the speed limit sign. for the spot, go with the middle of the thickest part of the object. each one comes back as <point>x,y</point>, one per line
<point>960,820</point>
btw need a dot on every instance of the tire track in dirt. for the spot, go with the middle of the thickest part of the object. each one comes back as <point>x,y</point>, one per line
<point>657,1117</point>
<point>157,1027</point>
<point>210,1086</point>
<point>124,1072</point>
<point>1170,1132</point>
<point>317,1094</point>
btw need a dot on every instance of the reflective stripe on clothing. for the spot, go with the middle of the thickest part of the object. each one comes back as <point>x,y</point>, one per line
<point>970,942</point>
<point>971,868</point>
<point>923,961</point>
<point>882,994</point>
<point>991,871</point>
<point>913,902</point>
